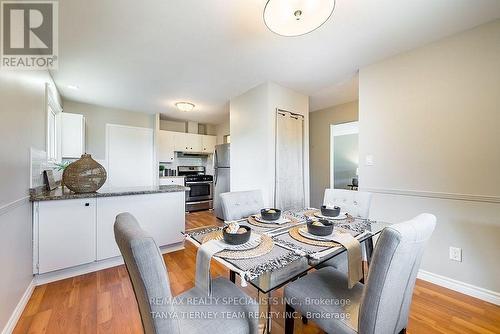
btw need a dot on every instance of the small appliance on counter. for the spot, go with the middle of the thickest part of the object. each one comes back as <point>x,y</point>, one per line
<point>201,188</point>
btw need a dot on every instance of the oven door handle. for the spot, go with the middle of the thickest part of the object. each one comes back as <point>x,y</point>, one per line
<point>198,182</point>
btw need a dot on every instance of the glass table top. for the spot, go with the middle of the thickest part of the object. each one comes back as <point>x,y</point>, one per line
<point>272,276</point>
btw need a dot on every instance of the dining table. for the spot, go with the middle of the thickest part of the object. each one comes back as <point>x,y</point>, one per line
<point>289,256</point>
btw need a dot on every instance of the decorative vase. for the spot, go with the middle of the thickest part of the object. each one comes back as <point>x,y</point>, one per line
<point>85,175</point>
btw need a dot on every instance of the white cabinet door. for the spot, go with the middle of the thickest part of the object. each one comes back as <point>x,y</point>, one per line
<point>188,142</point>
<point>72,135</point>
<point>166,146</point>
<point>66,233</point>
<point>161,215</point>
<point>208,144</point>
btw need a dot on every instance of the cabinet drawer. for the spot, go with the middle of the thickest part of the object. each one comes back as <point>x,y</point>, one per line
<point>171,180</point>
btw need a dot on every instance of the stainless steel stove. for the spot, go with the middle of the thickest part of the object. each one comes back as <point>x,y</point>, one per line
<point>200,194</point>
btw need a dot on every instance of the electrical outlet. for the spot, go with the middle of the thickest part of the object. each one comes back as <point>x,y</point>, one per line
<point>456,254</point>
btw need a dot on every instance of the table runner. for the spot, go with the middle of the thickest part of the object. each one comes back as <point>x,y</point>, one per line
<point>286,249</point>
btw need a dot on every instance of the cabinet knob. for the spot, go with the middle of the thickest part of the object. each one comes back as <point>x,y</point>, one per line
<point>87,204</point>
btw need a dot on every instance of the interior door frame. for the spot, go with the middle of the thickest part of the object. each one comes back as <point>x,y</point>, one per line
<point>339,129</point>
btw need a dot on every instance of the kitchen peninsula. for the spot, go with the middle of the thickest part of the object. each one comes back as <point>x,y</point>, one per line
<point>73,232</point>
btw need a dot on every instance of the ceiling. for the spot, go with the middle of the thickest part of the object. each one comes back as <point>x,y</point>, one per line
<point>146,55</point>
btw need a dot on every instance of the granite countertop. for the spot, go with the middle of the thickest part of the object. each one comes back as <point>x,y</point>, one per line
<point>65,193</point>
<point>172,177</point>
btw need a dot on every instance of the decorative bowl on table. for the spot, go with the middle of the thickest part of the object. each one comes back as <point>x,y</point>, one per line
<point>270,214</point>
<point>238,237</point>
<point>330,212</point>
<point>320,227</point>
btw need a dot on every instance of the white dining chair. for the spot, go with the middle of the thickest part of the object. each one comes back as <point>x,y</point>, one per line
<point>241,204</point>
<point>357,204</point>
<point>381,306</point>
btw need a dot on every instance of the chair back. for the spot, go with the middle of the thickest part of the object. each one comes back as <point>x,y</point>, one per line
<point>148,275</point>
<point>356,203</point>
<point>388,292</point>
<point>241,204</point>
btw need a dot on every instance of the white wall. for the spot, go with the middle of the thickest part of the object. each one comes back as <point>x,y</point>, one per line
<point>252,124</point>
<point>97,117</point>
<point>430,119</point>
<point>23,125</point>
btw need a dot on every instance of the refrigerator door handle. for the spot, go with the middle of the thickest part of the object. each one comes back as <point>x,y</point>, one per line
<point>216,171</point>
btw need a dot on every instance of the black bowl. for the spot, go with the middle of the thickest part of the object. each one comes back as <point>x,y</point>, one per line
<point>237,238</point>
<point>330,212</point>
<point>327,229</point>
<point>266,215</point>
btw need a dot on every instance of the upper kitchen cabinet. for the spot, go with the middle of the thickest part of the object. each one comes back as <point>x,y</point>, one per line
<point>208,144</point>
<point>72,135</point>
<point>188,142</point>
<point>166,152</point>
<point>170,142</point>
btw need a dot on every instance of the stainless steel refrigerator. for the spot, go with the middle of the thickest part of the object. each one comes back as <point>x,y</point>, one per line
<point>221,176</point>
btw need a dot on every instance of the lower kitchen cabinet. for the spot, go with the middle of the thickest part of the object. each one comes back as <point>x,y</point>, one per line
<point>66,233</point>
<point>160,215</point>
<point>69,233</point>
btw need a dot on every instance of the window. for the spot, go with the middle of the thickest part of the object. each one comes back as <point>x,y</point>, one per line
<point>53,126</point>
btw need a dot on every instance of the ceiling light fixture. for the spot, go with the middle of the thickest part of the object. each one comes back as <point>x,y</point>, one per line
<point>297,17</point>
<point>184,106</point>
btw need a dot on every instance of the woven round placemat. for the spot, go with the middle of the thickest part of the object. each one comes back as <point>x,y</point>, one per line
<point>265,246</point>
<point>294,233</point>
<point>252,221</point>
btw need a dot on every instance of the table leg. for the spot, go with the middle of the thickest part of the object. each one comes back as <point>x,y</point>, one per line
<point>232,276</point>
<point>368,244</point>
<point>265,312</point>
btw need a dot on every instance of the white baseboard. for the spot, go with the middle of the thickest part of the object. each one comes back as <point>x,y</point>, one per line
<point>11,324</point>
<point>465,288</point>
<point>94,266</point>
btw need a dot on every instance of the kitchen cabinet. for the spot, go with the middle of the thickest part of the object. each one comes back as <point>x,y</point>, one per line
<point>166,180</point>
<point>171,142</point>
<point>166,151</point>
<point>72,135</point>
<point>188,142</point>
<point>208,144</point>
<point>66,233</point>
<point>160,215</point>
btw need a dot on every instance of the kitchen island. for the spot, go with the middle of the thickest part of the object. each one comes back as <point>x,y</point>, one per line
<point>73,233</point>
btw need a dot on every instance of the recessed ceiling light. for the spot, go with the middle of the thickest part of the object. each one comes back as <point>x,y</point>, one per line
<point>184,106</point>
<point>297,17</point>
<point>73,87</point>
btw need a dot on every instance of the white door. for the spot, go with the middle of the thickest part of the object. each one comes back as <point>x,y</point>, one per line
<point>130,156</point>
<point>66,233</point>
<point>161,215</point>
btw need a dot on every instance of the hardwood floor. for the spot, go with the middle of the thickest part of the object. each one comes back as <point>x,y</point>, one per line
<point>103,301</point>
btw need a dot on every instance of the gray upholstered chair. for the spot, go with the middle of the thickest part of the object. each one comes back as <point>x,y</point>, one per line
<point>160,313</point>
<point>382,305</point>
<point>357,204</point>
<point>241,204</point>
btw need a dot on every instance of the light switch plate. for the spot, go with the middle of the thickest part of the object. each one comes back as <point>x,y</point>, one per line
<point>456,254</point>
<point>369,160</point>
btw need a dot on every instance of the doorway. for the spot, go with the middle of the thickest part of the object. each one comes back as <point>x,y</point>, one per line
<point>344,157</point>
